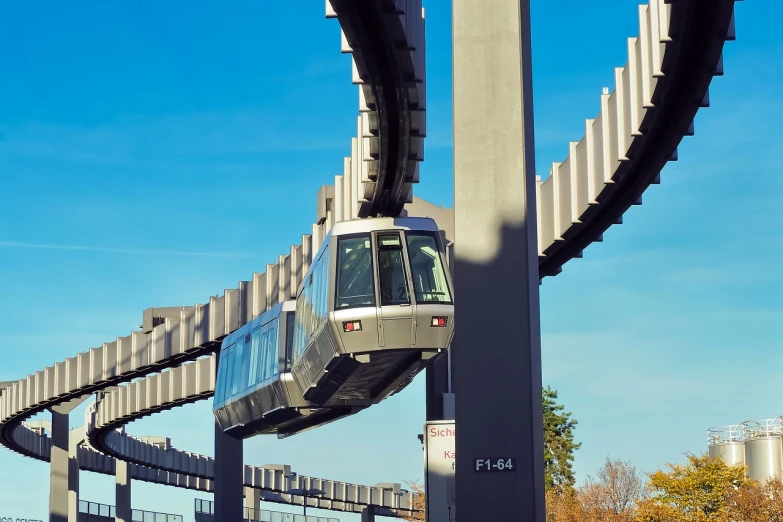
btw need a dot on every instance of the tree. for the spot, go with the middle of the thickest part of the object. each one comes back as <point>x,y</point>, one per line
<point>757,503</point>
<point>418,504</point>
<point>612,496</point>
<point>559,445</point>
<point>695,492</point>
<point>564,506</point>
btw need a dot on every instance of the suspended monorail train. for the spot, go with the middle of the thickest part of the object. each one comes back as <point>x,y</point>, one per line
<point>374,307</point>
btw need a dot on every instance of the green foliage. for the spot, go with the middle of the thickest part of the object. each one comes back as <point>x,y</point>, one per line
<point>559,445</point>
<point>698,491</point>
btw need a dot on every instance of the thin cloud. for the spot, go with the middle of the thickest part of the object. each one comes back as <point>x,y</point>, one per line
<point>133,251</point>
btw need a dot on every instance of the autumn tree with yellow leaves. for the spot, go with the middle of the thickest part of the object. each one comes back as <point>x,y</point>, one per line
<point>418,504</point>
<point>698,491</point>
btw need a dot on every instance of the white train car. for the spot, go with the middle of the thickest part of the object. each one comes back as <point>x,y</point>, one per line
<point>375,306</point>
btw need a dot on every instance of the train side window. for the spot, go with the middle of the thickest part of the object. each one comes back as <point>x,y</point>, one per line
<point>220,382</point>
<point>274,339</point>
<point>244,382</point>
<point>254,351</point>
<point>264,354</point>
<point>229,372</point>
<point>354,272</point>
<point>289,340</point>
<point>391,270</point>
<point>429,278</point>
<point>236,379</point>
<point>299,338</point>
<point>322,282</point>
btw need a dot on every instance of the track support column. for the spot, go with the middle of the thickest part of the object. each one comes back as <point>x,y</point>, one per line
<point>59,474</point>
<point>64,464</point>
<point>253,503</point>
<point>123,492</point>
<point>368,514</point>
<point>496,354</point>
<point>229,476</point>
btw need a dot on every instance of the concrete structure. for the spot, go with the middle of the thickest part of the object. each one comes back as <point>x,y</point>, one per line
<point>657,94</point>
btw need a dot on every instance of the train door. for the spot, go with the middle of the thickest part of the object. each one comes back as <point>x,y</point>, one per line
<point>396,308</point>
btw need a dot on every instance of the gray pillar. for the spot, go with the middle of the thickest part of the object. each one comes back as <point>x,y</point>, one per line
<point>75,438</point>
<point>368,514</point>
<point>253,503</point>
<point>437,385</point>
<point>58,481</point>
<point>64,474</point>
<point>229,476</point>
<point>496,354</point>
<point>123,492</point>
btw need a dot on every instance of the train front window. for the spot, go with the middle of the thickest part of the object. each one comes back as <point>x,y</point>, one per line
<point>429,278</point>
<point>354,272</point>
<point>391,270</point>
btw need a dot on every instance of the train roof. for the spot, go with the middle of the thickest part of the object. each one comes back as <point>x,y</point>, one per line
<point>285,306</point>
<point>383,223</point>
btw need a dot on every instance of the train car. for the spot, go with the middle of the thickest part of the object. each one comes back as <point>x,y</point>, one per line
<point>375,305</point>
<point>254,391</point>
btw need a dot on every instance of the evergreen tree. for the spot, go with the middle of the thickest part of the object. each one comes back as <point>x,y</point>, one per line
<point>559,445</point>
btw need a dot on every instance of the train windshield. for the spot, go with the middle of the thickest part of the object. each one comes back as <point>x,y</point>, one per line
<point>429,278</point>
<point>391,270</point>
<point>354,272</point>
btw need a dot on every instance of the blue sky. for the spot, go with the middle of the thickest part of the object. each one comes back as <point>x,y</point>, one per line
<point>153,133</point>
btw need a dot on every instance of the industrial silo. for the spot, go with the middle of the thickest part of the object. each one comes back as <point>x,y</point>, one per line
<point>764,449</point>
<point>727,443</point>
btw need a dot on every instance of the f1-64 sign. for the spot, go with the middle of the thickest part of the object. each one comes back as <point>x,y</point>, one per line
<point>496,464</point>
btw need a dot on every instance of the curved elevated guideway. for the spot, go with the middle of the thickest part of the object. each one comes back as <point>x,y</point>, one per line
<point>171,360</point>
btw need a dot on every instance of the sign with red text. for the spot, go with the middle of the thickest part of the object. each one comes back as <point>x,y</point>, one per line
<point>439,459</point>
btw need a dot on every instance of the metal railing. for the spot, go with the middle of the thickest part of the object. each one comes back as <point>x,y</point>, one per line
<point>763,428</point>
<point>748,430</point>
<point>724,434</point>
<point>137,515</point>
<point>207,507</point>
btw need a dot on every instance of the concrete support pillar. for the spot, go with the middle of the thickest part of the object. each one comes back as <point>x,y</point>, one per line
<point>75,438</point>
<point>64,470</point>
<point>253,503</point>
<point>496,372</point>
<point>123,492</point>
<point>59,474</point>
<point>437,385</point>
<point>229,476</point>
<point>368,514</point>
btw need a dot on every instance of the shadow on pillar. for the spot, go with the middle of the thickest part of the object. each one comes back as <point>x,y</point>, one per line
<point>123,512</point>
<point>368,514</point>
<point>229,476</point>
<point>496,378</point>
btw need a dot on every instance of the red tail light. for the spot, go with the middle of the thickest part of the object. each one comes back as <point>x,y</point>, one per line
<point>352,326</point>
<point>439,322</point>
